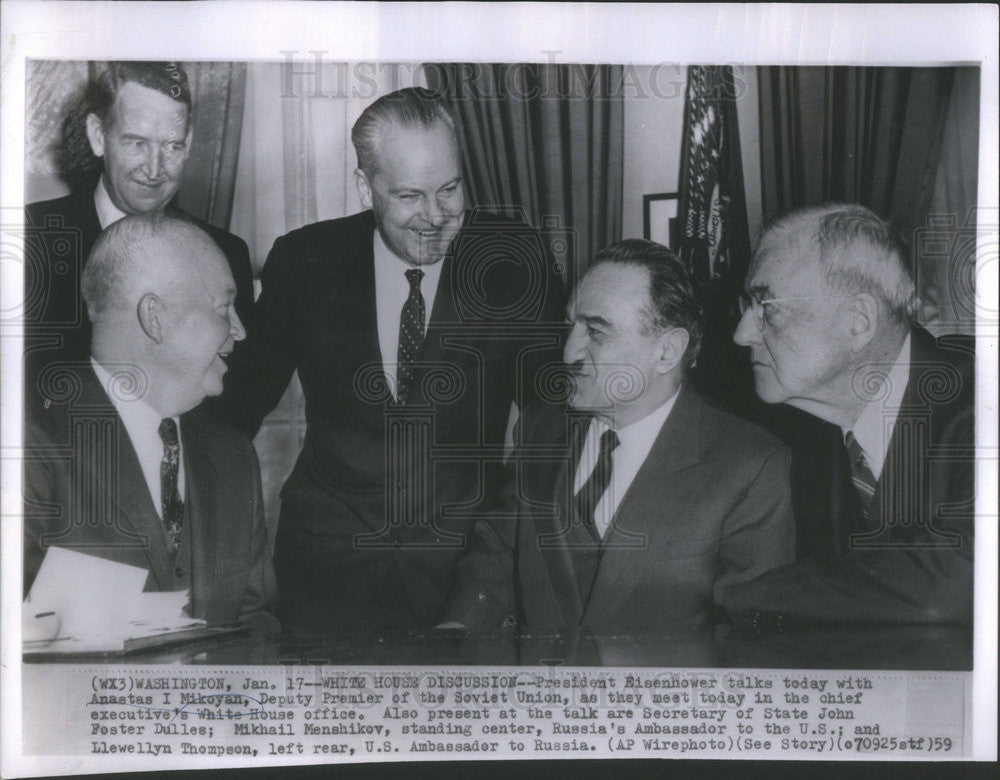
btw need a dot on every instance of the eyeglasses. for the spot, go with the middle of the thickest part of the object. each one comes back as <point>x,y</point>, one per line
<point>758,306</point>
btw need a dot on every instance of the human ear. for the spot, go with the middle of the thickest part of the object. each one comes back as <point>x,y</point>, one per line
<point>364,188</point>
<point>671,346</point>
<point>150,314</point>
<point>864,313</point>
<point>95,134</point>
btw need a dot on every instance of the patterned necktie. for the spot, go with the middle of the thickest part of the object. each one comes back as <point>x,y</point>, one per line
<point>411,336</point>
<point>170,499</point>
<point>589,496</point>
<point>861,474</point>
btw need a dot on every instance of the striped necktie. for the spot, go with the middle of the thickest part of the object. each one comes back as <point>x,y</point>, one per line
<point>590,494</point>
<point>861,473</point>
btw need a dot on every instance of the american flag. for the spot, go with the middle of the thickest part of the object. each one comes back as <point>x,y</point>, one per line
<point>712,219</point>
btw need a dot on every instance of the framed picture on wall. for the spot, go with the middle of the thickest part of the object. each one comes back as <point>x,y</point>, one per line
<point>659,218</point>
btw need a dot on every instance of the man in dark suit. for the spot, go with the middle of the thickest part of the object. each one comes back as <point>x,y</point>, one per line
<point>129,141</point>
<point>884,484</point>
<point>636,509</point>
<point>413,326</point>
<point>116,464</point>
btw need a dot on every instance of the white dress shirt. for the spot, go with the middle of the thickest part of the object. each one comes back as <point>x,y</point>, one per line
<point>874,426</point>
<point>107,212</point>
<point>142,423</point>
<point>635,442</point>
<point>392,288</point>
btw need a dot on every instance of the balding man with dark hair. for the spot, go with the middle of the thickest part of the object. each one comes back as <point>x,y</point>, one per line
<point>885,483</point>
<point>125,149</point>
<point>147,481</point>
<point>413,326</point>
<point>633,509</point>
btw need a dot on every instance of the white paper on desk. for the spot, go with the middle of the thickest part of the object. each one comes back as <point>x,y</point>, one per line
<point>95,597</point>
<point>161,610</point>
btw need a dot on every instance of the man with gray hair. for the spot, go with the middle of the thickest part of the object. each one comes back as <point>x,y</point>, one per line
<point>885,487</point>
<point>150,481</point>
<point>413,326</point>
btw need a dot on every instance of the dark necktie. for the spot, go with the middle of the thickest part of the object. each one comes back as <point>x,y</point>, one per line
<point>170,499</point>
<point>861,473</point>
<point>589,496</point>
<point>411,336</point>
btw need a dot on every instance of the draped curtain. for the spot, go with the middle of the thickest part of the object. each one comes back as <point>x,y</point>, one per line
<point>871,135</point>
<point>51,91</point>
<point>902,141</point>
<point>545,138</point>
<point>217,93</point>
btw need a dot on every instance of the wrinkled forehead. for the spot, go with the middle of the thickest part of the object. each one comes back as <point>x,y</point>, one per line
<point>783,257</point>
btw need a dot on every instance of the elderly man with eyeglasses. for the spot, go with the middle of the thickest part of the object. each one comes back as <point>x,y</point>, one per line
<point>828,316</point>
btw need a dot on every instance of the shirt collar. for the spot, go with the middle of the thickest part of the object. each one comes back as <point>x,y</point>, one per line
<point>874,426</point>
<point>107,212</point>
<point>388,263</point>
<point>643,432</point>
<point>134,411</point>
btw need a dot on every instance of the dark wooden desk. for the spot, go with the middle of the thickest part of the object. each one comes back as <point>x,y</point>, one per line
<point>943,648</point>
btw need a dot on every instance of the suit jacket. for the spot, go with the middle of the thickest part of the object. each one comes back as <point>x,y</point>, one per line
<point>375,513</point>
<point>59,235</point>
<point>912,560</point>
<point>709,507</point>
<point>84,490</point>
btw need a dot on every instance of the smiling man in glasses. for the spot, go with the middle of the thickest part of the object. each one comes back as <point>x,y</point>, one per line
<point>828,317</point>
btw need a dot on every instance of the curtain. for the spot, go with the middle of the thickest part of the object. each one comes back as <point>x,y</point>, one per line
<point>869,135</point>
<point>883,137</point>
<point>217,94</point>
<point>545,138</point>
<point>51,91</point>
<point>947,287</point>
<point>296,166</point>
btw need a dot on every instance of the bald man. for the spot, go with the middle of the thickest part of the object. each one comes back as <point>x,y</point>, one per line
<point>117,464</point>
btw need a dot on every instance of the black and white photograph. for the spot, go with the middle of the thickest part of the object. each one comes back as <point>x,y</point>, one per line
<point>372,402</point>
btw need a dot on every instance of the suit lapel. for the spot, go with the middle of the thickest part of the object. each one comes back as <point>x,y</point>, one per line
<point>555,534</point>
<point>353,297</point>
<point>200,478</point>
<point>440,322</point>
<point>642,515</point>
<point>126,489</point>
<point>904,457</point>
<point>90,224</point>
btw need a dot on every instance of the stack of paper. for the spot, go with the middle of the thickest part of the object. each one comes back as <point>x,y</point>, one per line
<point>99,604</point>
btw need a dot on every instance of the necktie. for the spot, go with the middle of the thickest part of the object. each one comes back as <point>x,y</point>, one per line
<point>170,499</point>
<point>587,499</point>
<point>411,336</point>
<point>861,473</point>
